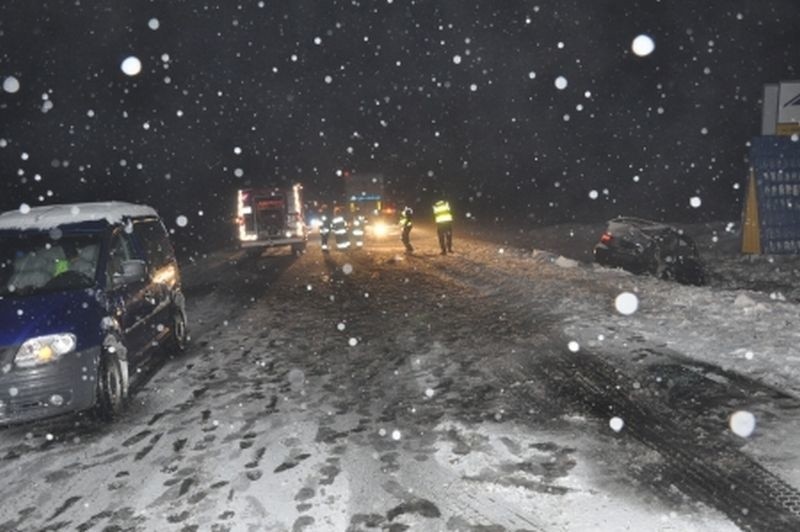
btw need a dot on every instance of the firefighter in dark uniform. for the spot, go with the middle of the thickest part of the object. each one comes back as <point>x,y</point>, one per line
<point>444,225</point>
<point>406,224</point>
<point>339,228</point>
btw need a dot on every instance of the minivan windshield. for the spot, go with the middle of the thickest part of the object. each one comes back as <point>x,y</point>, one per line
<point>31,263</point>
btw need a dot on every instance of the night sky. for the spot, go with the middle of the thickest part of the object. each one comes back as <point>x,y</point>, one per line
<point>449,97</point>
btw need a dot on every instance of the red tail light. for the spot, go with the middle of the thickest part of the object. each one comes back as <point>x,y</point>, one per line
<point>606,238</point>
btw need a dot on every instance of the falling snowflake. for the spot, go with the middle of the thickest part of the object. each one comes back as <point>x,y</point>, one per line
<point>616,424</point>
<point>695,201</point>
<point>561,83</point>
<point>131,66</point>
<point>574,346</point>
<point>182,221</point>
<point>742,423</point>
<point>626,303</point>
<point>352,342</point>
<point>643,45</point>
<point>11,84</point>
<point>153,24</point>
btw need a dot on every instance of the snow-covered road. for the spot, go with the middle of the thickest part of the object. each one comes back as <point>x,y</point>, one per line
<point>375,391</point>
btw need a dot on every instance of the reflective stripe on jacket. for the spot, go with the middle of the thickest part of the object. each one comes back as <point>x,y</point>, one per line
<point>441,212</point>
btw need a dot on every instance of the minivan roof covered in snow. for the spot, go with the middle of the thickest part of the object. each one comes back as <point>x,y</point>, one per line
<point>50,216</point>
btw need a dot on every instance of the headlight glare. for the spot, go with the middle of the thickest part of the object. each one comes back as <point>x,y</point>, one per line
<point>43,349</point>
<point>381,229</point>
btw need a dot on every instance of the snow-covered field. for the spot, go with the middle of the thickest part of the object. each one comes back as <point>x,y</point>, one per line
<point>746,320</point>
<point>499,388</point>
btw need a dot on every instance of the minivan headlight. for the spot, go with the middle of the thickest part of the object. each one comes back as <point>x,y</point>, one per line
<point>44,349</point>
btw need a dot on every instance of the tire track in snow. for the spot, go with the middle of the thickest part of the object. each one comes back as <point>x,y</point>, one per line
<point>699,463</point>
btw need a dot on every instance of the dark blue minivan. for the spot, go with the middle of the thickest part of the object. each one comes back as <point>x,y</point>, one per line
<point>87,293</point>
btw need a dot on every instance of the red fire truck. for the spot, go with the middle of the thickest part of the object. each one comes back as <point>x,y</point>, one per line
<point>269,217</point>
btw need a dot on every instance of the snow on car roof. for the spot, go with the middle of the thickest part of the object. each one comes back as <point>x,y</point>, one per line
<point>50,216</point>
<point>639,223</point>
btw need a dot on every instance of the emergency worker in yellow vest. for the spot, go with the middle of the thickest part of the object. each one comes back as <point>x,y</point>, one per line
<point>444,225</point>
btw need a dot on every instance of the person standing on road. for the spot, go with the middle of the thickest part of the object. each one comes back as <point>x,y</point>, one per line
<point>340,230</point>
<point>444,225</point>
<point>406,223</point>
<point>325,231</point>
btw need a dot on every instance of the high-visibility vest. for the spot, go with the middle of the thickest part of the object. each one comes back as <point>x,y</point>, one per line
<point>405,220</point>
<point>61,266</point>
<point>441,212</point>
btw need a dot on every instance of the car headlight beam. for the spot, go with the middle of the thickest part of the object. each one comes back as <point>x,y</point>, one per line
<point>44,349</point>
<point>381,229</point>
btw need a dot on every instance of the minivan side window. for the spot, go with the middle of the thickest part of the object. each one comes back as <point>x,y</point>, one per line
<point>153,238</point>
<point>120,251</point>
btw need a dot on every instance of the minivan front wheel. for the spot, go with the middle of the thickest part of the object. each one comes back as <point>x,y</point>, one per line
<point>111,387</point>
<point>180,335</point>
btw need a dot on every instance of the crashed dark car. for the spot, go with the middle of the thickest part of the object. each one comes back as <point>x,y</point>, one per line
<point>647,247</point>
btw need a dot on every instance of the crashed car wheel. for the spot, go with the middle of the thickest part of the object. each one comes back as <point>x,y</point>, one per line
<point>658,268</point>
<point>111,388</point>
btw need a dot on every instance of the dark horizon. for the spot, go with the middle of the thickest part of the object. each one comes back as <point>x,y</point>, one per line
<point>441,97</point>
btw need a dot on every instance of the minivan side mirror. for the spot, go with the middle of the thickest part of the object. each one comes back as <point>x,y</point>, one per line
<point>132,271</point>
